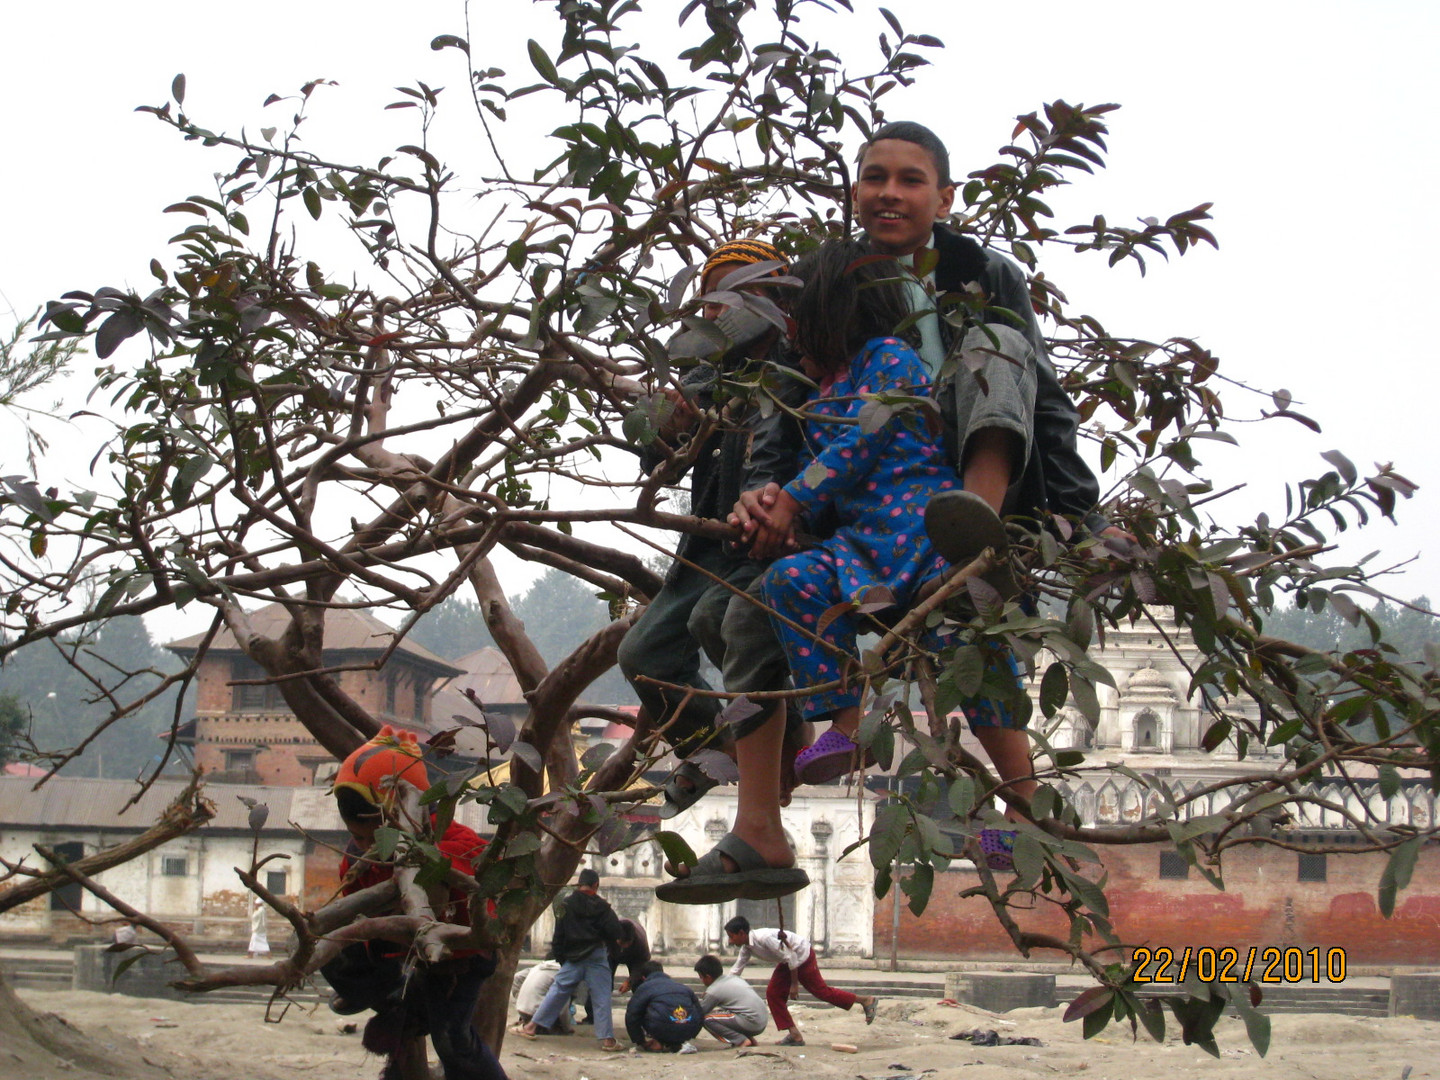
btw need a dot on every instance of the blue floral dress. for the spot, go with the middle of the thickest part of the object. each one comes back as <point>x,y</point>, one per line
<point>878,483</point>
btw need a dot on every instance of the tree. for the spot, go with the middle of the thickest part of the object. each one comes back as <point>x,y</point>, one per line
<point>264,396</point>
<point>13,722</point>
<point>559,612</point>
<point>452,629</point>
<point>74,718</point>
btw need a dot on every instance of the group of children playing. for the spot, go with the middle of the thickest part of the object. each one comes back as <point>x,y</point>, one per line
<point>896,489</point>
<point>664,1015</point>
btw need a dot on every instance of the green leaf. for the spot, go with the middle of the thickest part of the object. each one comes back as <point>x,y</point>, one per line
<point>967,671</point>
<point>1054,689</point>
<point>597,755</point>
<point>542,63</point>
<point>1029,860</point>
<point>1080,623</point>
<point>1396,874</point>
<point>1087,892</point>
<point>1151,1015</point>
<point>918,887</point>
<point>177,89</point>
<point>524,844</point>
<point>1215,735</point>
<point>1343,466</point>
<point>677,851</point>
<point>311,198</point>
<point>127,963</point>
<point>1088,1002</point>
<point>1389,781</point>
<point>1257,1024</point>
<point>495,877</point>
<point>887,834</point>
<point>962,796</point>
<point>387,839</point>
<point>189,475</point>
<point>1083,691</point>
<point>883,746</point>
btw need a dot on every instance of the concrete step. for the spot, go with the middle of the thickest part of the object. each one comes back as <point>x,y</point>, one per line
<point>1336,999</point>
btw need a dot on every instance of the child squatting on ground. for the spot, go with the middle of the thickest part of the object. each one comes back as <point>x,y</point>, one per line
<point>410,998</point>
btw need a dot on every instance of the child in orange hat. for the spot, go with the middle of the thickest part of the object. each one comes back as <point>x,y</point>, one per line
<point>436,999</point>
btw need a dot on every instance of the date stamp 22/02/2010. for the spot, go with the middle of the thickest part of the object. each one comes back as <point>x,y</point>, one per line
<point>1270,964</point>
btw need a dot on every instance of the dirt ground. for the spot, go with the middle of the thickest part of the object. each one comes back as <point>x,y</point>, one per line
<point>146,1038</point>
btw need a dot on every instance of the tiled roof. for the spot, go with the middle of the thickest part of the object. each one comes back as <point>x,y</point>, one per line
<point>346,630</point>
<point>83,802</point>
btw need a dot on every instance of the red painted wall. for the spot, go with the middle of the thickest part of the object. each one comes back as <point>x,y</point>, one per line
<point>1263,904</point>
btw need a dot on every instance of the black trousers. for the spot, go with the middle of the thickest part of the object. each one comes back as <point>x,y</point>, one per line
<point>436,1000</point>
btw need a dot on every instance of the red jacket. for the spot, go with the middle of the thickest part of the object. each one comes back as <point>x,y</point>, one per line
<point>460,844</point>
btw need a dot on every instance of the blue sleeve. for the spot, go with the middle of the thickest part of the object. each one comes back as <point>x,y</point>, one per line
<point>635,1014</point>
<point>883,365</point>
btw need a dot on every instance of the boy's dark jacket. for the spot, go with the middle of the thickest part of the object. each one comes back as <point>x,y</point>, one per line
<point>661,996</point>
<point>1056,478</point>
<point>750,449</point>
<point>587,923</point>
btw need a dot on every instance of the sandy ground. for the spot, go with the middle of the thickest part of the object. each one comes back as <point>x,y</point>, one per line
<point>909,1040</point>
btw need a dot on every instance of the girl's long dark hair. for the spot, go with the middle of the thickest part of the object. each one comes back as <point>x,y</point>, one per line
<point>848,297</point>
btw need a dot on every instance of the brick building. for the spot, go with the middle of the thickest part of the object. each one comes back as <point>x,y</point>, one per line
<point>243,731</point>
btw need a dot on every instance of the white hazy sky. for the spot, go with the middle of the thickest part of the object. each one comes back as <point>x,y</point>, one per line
<point>1309,125</point>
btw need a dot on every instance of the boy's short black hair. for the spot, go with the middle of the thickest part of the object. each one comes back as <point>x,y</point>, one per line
<point>738,925</point>
<point>588,879</point>
<point>355,807</point>
<point>921,136</point>
<point>710,966</point>
<point>849,296</point>
<point>651,967</point>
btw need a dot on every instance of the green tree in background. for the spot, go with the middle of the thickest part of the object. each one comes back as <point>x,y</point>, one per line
<point>453,629</point>
<point>13,722</point>
<point>48,679</point>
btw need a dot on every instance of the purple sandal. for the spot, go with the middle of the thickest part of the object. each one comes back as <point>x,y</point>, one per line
<point>998,845</point>
<point>832,755</point>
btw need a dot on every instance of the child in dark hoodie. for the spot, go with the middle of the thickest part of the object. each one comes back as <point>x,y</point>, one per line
<point>663,1015</point>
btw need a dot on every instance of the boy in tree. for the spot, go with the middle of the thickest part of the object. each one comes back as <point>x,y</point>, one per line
<point>1010,426</point>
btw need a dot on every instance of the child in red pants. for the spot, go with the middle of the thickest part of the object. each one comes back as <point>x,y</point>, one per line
<point>795,966</point>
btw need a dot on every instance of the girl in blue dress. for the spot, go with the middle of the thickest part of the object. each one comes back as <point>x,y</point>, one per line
<point>875,461</point>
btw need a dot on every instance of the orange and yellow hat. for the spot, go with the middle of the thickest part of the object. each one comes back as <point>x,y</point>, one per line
<point>747,252</point>
<point>375,768</point>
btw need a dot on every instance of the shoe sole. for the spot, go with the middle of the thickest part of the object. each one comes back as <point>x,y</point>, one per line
<point>823,769</point>
<point>722,888</point>
<point>961,525</point>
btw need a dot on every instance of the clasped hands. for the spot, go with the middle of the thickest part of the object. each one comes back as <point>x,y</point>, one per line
<point>766,519</point>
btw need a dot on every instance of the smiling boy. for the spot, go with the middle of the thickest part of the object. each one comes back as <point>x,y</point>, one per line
<point>1011,427</point>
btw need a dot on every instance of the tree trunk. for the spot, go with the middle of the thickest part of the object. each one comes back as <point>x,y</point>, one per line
<point>41,1045</point>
